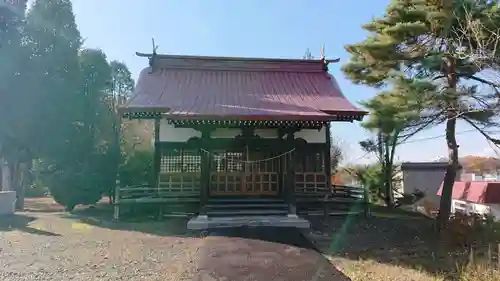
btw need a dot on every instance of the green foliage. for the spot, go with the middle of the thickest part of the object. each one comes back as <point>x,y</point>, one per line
<point>121,79</point>
<point>13,57</point>
<point>68,106</point>
<point>81,183</point>
<point>371,177</point>
<point>394,117</point>
<point>137,168</point>
<point>416,43</point>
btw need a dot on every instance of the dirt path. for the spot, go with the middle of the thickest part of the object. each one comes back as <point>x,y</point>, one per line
<point>55,246</point>
<point>264,254</point>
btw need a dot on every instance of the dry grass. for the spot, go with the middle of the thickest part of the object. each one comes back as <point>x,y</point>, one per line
<point>395,247</point>
<point>478,273</point>
<point>370,270</point>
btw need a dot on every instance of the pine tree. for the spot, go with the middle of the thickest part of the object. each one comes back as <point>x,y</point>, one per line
<point>393,119</point>
<point>416,43</point>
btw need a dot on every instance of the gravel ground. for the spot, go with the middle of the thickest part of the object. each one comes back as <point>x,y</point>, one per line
<point>47,244</point>
<point>52,247</point>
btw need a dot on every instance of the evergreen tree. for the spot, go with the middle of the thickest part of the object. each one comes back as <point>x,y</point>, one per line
<point>415,42</point>
<point>11,68</point>
<point>14,149</point>
<point>54,42</point>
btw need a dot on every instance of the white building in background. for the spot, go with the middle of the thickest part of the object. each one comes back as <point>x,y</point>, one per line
<point>476,197</point>
<point>476,177</point>
<point>425,177</point>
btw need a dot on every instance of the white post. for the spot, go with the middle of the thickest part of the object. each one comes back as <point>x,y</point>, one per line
<point>117,200</point>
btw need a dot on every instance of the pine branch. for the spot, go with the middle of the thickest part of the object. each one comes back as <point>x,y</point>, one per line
<point>482,132</point>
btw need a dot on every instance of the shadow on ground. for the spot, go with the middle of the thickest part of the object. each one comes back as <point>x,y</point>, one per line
<point>21,223</point>
<point>102,216</point>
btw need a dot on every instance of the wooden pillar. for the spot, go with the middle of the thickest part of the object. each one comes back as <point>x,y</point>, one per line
<point>282,162</point>
<point>290,182</point>
<point>205,172</point>
<point>157,154</point>
<point>156,164</point>
<point>328,156</point>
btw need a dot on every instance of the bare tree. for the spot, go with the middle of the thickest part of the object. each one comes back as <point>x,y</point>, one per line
<point>336,153</point>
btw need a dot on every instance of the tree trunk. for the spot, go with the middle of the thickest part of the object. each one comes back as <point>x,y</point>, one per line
<point>451,141</point>
<point>450,175</point>
<point>390,151</point>
<point>116,147</point>
<point>389,195</point>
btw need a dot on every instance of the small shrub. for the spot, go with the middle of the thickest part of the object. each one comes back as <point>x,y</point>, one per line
<point>464,230</point>
<point>70,188</point>
<point>74,183</point>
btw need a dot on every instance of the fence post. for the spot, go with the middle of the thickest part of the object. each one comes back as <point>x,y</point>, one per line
<point>116,214</point>
<point>498,256</point>
<point>490,256</point>
<point>471,255</point>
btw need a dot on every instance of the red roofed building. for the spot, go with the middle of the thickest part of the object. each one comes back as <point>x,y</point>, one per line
<point>240,132</point>
<point>481,197</point>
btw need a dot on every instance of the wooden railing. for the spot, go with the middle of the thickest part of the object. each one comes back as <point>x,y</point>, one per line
<point>173,189</point>
<point>338,198</point>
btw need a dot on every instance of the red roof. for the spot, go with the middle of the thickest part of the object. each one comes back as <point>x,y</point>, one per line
<point>216,87</point>
<point>482,192</point>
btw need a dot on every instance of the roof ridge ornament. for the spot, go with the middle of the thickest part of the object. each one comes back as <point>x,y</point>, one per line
<point>322,58</point>
<point>153,55</point>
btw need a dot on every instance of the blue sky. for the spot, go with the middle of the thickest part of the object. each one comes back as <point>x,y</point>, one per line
<point>253,28</point>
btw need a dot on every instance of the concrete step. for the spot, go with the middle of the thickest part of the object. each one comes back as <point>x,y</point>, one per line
<point>247,206</point>
<point>243,200</point>
<point>200,223</point>
<point>246,212</point>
